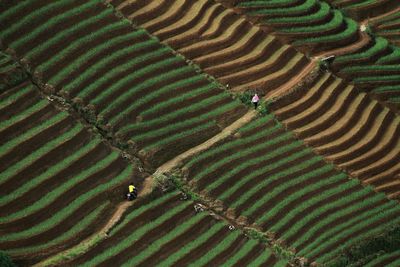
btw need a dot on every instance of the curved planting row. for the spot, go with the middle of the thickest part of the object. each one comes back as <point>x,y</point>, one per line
<point>219,41</point>
<point>375,69</point>
<point>10,73</point>
<point>310,25</point>
<point>267,178</point>
<point>365,9</point>
<point>138,88</point>
<point>387,25</point>
<point>388,260</point>
<point>167,231</point>
<point>56,179</point>
<point>347,128</point>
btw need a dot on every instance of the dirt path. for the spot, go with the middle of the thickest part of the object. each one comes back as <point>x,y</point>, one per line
<point>92,240</point>
<point>146,189</point>
<point>286,87</point>
<point>250,115</point>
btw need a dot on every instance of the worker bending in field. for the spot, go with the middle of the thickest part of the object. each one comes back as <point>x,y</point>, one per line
<point>132,192</point>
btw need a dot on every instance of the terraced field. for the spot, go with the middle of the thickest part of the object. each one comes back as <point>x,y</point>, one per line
<point>220,42</point>
<point>365,9</point>
<point>348,129</point>
<point>387,25</point>
<point>314,27</point>
<point>311,25</point>
<point>56,179</point>
<point>124,88</point>
<point>126,68</point>
<point>266,177</point>
<point>178,236</point>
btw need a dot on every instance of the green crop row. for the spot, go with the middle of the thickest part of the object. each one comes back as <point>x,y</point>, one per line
<point>322,12</point>
<point>360,4</point>
<point>40,12</point>
<point>215,165</point>
<point>367,232</point>
<point>51,171</point>
<point>258,3</point>
<point>330,219</point>
<point>26,160</point>
<point>162,241</point>
<point>293,182</point>
<point>223,148</point>
<point>275,176</point>
<point>304,7</point>
<point>350,30</point>
<point>21,42</point>
<point>152,123</point>
<point>111,73</point>
<point>393,257</point>
<point>248,164</point>
<point>88,221</point>
<point>12,144</point>
<point>336,21</point>
<point>371,213</point>
<point>136,235</point>
<point>50,197</point>
<point>370,79</point>
<point>13,96</point>
<point>379,45</point>
<point>372,68</point>
<point>141,87</point>
<point>29,111</point>
<point>62,214</point>
<point>199,123</point>
<point>60,36</point>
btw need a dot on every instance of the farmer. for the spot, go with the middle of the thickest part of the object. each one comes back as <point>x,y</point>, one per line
<point>255,100</point>
<point>132,192</point>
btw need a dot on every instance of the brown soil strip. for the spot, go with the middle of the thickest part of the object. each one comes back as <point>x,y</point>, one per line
<point>286,87</point>
<point>38,167</point>
<point>338,221</point>
<point>192,18</point>
<point>149,238</point>
<point>174,14</point>
<point>176,244</point>
<point>168,166</point>
<point>24,12</point>
<point>356,233</point>
<point>123,105</point>
<point>35,142</point>
<point>117,76</point>
<point>203,248</point>
<point>314,126</point>
<point>19,105</point>
<point>315,206</point>
<point>381,16</point>
<point>102,176</point>
<point>292,189</point>
<point>87,244</point>
<point>251,255</point>
<point>27,123</point>
<point>362,41</point>
<point>327,238</point>
<point>206,162</point>
<point>250,184</point>
<point>368,130</point>
<point>103,54</point>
